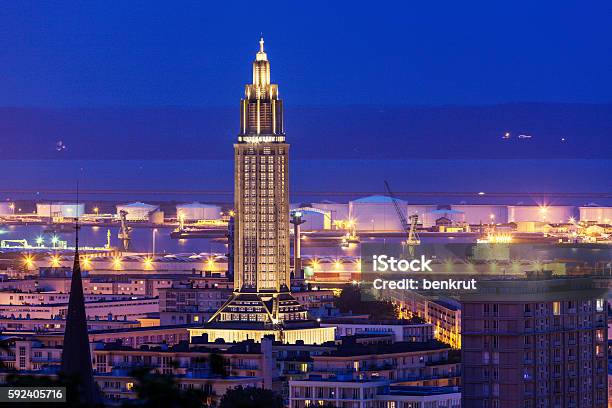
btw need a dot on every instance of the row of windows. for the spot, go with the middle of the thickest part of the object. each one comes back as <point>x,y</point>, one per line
<point>251,154</point>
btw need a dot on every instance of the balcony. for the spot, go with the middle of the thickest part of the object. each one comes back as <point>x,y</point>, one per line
<point>379,367</point>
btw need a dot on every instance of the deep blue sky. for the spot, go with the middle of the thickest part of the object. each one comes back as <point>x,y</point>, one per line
<point>152,53</point>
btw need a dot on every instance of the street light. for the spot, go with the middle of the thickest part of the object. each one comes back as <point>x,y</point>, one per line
<point>148,262</point>
<point>117,263</point>
<point>55,261</point>
<point>28,261</point>
<point>153,249</point>
<point>86,263</point>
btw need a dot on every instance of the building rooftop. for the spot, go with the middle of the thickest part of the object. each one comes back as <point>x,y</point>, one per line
<point>347,379</point>
<point>358,349</point>
<point>245,347</point>
<point>535,288</point>
<point>447,304</point>
<point>139,204</point>
<point>421,391</point>
<point>197,204</point>
<point>377,199</point>
<point>367,322</point>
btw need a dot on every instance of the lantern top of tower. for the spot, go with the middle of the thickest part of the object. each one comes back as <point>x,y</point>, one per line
<point>261,55</point>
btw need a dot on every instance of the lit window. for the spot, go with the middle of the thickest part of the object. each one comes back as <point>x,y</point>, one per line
<point>556,308</point>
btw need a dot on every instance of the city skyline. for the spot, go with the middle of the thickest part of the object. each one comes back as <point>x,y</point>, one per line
<point>379,221</point>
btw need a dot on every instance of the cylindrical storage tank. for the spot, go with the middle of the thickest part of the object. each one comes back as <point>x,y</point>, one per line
<point>7,208</point>
<point>137,211</point>
<point>542,213</point>
<point>376,213</point>
<point>599,215</point>
<point>315,220</point>
<point>476,214</point>
<point>198,211</point>
<point>156,217</point>
<point>337,211</point>
<point>60,209</point>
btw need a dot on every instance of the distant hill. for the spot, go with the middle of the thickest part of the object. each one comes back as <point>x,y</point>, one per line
<point>359,132</point>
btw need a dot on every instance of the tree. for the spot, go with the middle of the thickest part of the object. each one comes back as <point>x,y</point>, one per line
<point>250,397</point>
<point>217,365</point>
<point>351,299</point>
<point>161,390</point>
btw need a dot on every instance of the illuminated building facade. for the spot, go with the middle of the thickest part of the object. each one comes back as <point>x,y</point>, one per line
<point>535,343</point>
<point>262,300</point>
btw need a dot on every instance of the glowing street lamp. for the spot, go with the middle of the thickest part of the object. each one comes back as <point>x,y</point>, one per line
<point>28,261</point>
<point>148,262</point>
<point>55,261</point>
<point>153,244</point>
<point>117,262</point>
<point>86,263</point>
<point>54,240</point>
<point>40,241</point>
<point>210,264</point>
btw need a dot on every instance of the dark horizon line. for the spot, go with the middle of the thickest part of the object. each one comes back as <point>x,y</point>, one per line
<point>322,105</point>
<point>325,193</point>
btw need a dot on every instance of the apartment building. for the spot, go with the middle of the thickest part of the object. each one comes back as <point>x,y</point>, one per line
<point>535,343</point>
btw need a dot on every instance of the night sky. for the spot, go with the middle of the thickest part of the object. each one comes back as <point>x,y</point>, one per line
<point>198,54</point>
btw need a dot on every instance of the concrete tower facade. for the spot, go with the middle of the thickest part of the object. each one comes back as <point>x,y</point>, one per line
<point>261,187</point>
<point>261,200</point>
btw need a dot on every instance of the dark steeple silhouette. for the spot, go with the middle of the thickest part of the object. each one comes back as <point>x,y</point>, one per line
<point>76,356</point>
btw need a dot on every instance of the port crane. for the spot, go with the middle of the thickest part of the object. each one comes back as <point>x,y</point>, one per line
<point>125,231</point>
<point>410,229</point>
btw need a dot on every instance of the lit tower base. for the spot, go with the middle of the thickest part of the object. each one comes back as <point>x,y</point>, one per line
<point>262,303</point>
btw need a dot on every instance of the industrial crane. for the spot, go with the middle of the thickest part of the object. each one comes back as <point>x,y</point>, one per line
<point>410,229</point>
<point>125,231</point>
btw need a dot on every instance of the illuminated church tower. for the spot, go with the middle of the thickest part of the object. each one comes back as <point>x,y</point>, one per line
<point>261,200</point>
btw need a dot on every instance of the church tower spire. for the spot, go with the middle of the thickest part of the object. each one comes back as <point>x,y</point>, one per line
<point>76,355</point>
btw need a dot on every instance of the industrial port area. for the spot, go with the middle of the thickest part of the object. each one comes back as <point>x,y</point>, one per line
<point>156,273</point>
<point>261,294</point>
<point>373,215</point>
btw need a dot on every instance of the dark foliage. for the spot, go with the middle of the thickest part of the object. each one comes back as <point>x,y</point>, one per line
<point>351,300</point>
<point>250,397</point>
<point>161,390</point>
